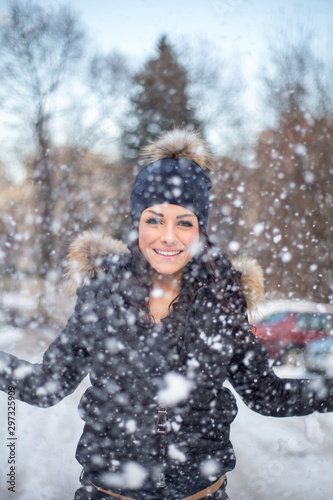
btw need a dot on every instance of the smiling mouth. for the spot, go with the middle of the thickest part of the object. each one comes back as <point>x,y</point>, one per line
<point>168,254</point>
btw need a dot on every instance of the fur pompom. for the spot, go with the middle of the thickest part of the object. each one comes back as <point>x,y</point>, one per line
<point>252,281</point>
<point>179,143</point>
<point>86,254</point>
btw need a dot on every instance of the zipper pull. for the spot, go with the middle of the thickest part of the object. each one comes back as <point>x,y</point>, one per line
<point>161,482</point>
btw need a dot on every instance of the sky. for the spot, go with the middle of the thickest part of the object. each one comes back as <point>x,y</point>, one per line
<point>133,26</point>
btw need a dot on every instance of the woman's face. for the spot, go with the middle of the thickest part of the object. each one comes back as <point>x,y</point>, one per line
<point>168,237</point>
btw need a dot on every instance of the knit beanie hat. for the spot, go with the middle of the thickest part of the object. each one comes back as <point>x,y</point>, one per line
<point>175,175</point>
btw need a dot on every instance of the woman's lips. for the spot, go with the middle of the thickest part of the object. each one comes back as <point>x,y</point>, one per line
<point>168,253</point>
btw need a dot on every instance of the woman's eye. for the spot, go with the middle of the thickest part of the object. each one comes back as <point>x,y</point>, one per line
<point>153,220</point>
<point>185,223</point>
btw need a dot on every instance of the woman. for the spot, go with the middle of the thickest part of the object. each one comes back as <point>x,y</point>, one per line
<point>159,329</point>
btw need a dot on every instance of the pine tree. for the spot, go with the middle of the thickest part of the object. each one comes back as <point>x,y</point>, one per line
<point>160,100</point>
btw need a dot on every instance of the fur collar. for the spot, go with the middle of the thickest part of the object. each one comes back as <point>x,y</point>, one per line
<point>86,254</point>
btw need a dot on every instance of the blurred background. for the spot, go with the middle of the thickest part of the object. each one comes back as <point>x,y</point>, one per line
<point>83,85</point>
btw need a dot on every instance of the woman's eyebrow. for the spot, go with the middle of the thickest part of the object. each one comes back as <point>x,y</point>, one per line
<point>185,215</point>
<point>178,216</point>
<point>155,213</point>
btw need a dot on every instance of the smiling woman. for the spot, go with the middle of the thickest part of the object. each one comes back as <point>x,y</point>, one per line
<point>168,239</point>
<point>160,329</point>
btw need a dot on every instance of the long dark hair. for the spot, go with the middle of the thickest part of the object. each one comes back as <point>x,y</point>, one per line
<point>210,267</point>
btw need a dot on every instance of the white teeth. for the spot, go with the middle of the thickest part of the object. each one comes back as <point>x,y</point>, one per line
<point>167,254</point>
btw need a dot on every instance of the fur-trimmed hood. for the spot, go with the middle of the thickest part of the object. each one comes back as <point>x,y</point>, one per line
<point>87,251</point>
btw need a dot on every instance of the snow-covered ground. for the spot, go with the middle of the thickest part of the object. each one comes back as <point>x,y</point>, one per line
<point>277,459</point>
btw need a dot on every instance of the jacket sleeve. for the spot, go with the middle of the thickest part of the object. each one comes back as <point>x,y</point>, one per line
<point>264,392</point>
<point>65,363</point>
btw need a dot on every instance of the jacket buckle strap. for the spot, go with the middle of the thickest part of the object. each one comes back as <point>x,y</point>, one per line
<point>161,418</point>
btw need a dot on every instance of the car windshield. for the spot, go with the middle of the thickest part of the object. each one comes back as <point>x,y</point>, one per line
<point>314,321</point>
<point>275,318</point>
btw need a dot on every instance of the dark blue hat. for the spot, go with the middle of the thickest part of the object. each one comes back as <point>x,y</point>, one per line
<point>173,181</point>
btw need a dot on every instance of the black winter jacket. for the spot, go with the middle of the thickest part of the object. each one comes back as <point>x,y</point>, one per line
<point>134,365</point>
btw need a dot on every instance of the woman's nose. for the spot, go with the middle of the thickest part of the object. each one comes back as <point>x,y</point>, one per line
<point>169,235</point>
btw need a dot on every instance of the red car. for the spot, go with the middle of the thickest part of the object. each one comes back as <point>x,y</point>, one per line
<point>285,334</point>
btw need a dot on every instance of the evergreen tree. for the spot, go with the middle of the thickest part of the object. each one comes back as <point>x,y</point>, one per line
<point>160,100</point>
